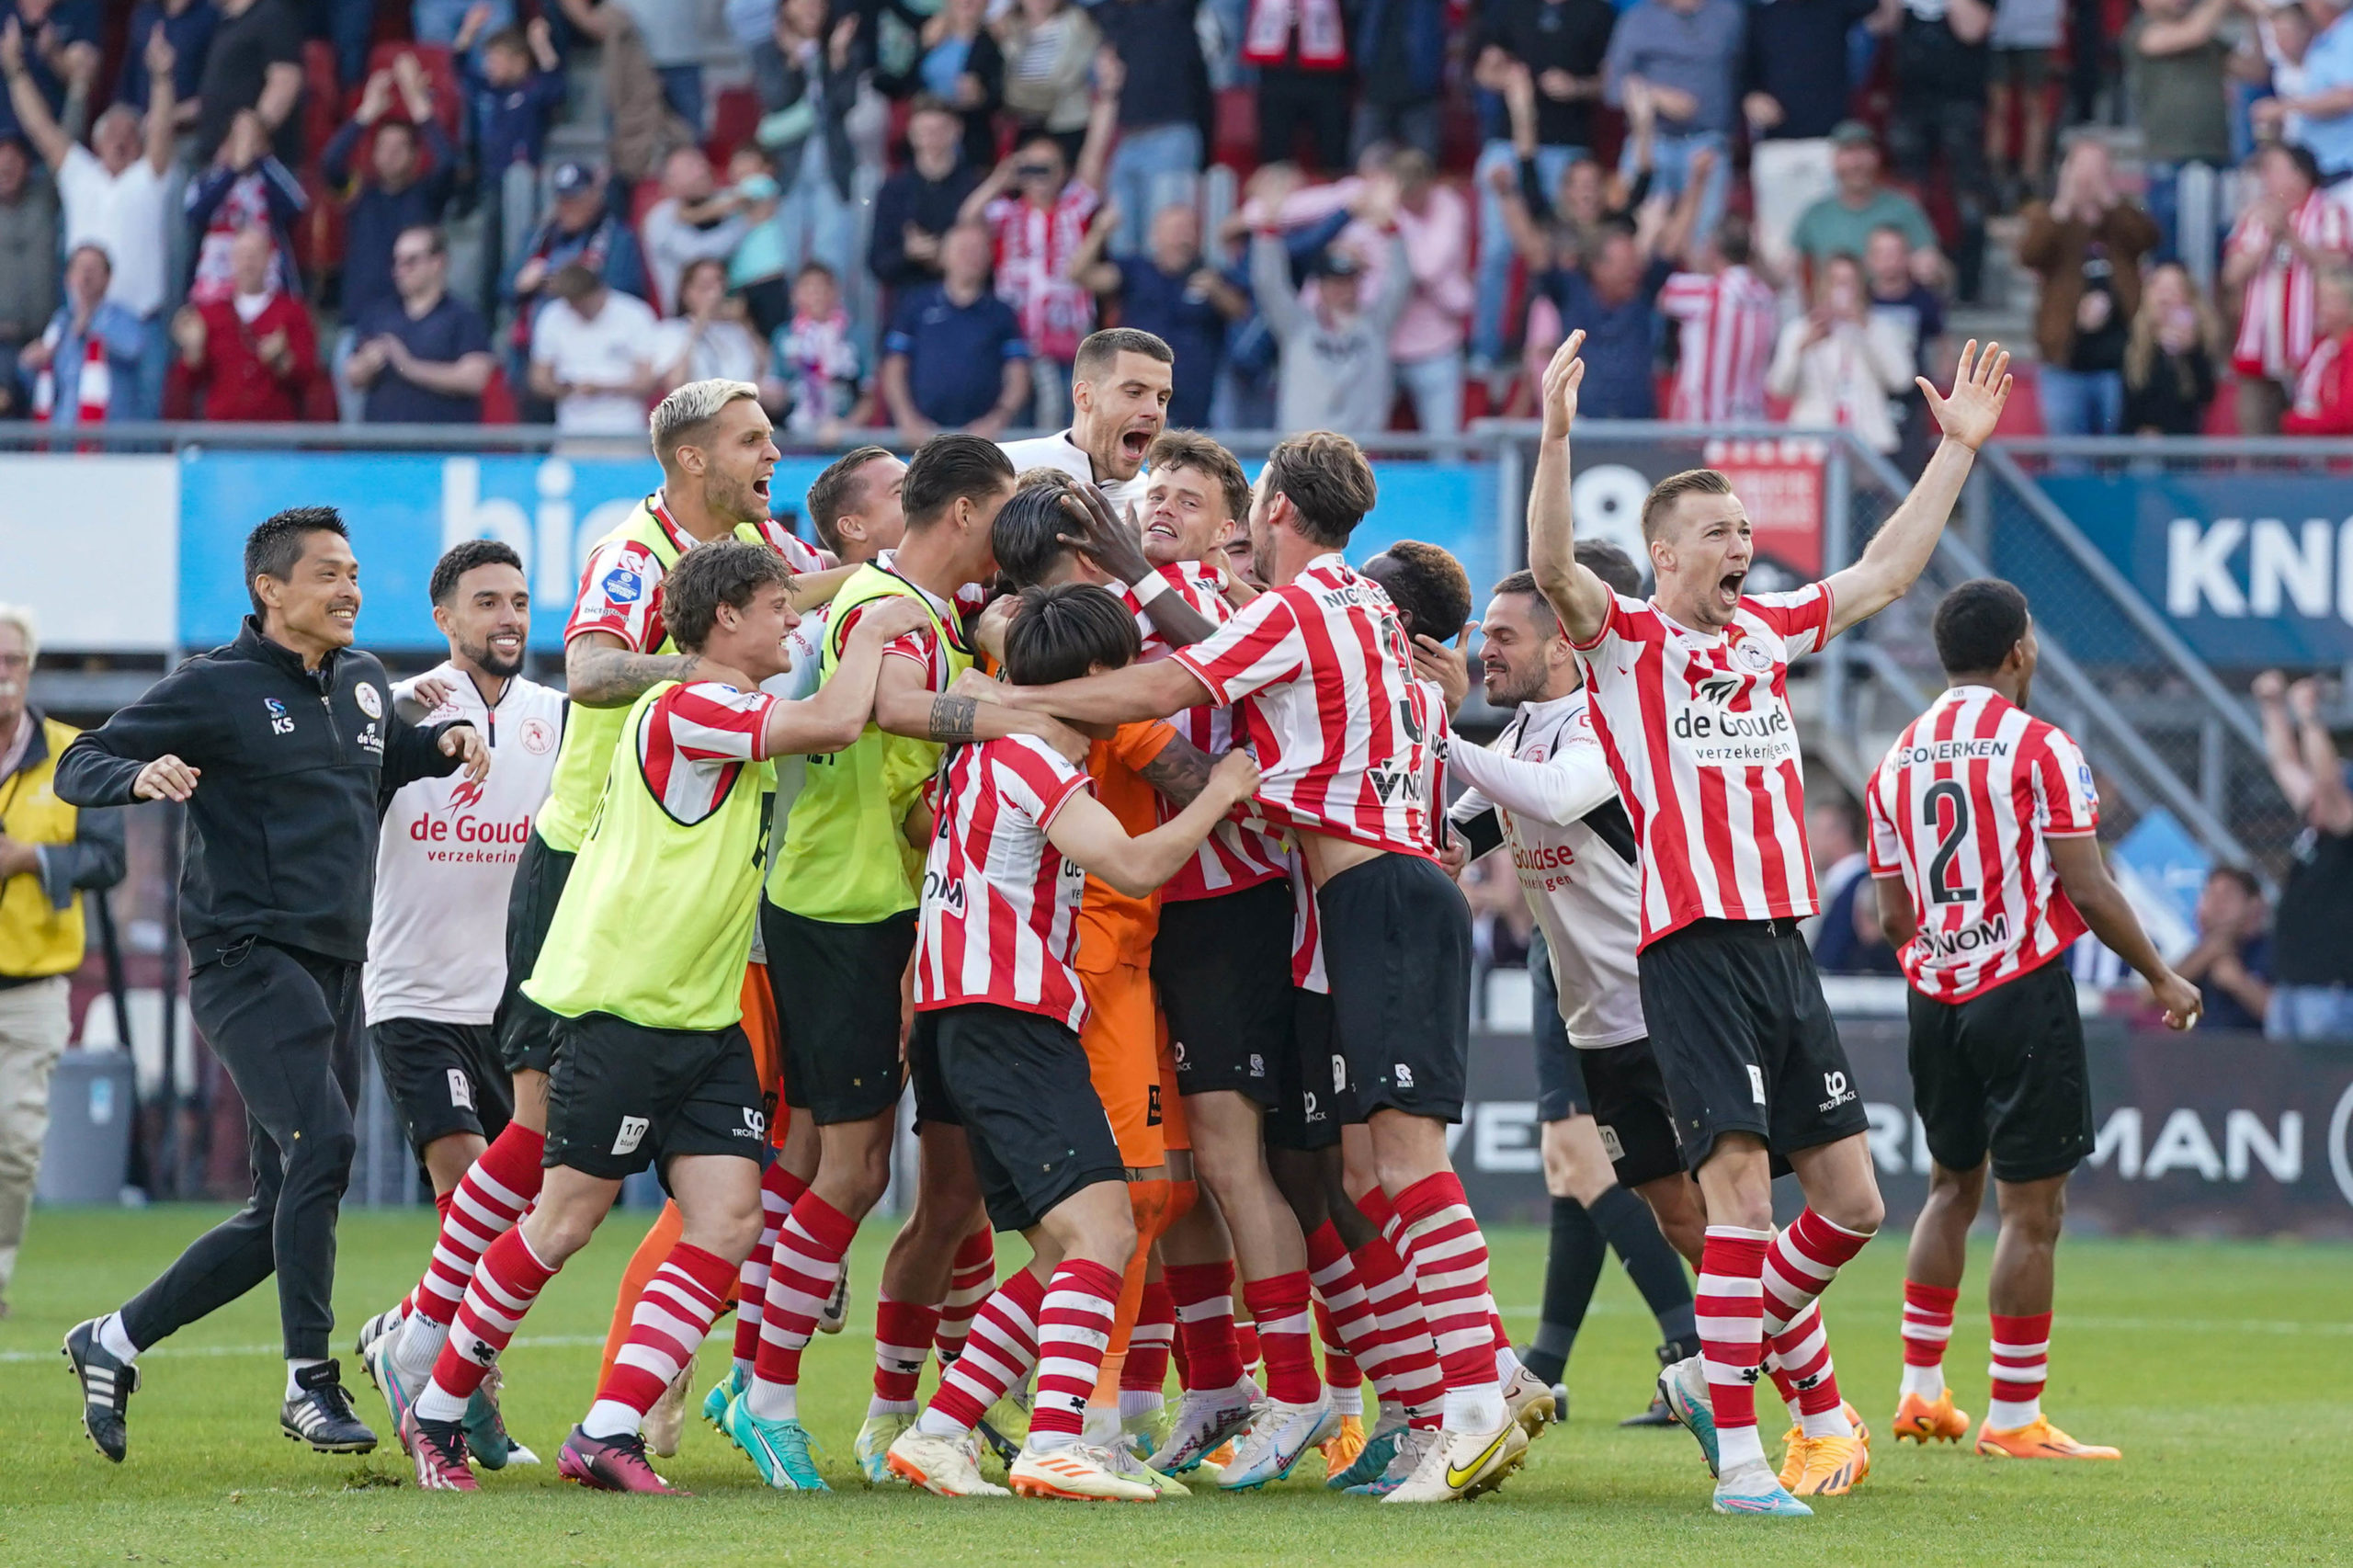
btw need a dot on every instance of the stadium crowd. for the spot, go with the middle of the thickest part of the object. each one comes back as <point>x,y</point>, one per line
<point>896,214</point>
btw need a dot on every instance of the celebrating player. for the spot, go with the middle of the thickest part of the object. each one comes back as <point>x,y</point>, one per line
<point>1323,675</point>
<point>1983,823</point>
<point>1545,791</point>
<point>1002,893</point>
<point>1689,700</point>
<point>1119,392</point>
<point>445,864</point>
<point>643,968</point>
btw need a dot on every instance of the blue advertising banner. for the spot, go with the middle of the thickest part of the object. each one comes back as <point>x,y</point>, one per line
<point>2251,570</point>
<point>403,511</point>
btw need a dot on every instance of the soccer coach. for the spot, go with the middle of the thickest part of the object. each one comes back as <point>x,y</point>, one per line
<point>283,744</point>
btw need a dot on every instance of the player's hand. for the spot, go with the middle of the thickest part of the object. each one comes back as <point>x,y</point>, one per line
<point>430,692</point>
<point>1453,855</point>
<point>1237,774</point>
<point>1562,377</point>
<point>2270,686</point>
<point>166,778</point>
<point>159,55</point>
<point>979,688</point>
<point>1449,666</point>
<point>1098,533</point>
<point>1073,746</point>
<point>892,618</point>
<point>465,743</point>
<point>2180,999</point>
<point>1980,385</point>
<point>989,629</point>
<point>2303,701</point>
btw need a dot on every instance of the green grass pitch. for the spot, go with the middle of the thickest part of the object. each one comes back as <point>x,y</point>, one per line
<point>2225,1371</point>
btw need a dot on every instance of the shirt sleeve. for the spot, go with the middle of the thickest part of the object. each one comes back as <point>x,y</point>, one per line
<point>710,722</point>
<point>1615,625</point>
<point>620,592</point>
<point>1261,646</point>
<point>1559,791</point>
<point>899,339</point>
<point>1886,844</point>
<point>2066,800</point>
<point>1684,296</point>
<point>1801,617</point>
<point>1034,779</point>
<point>1138,746</point>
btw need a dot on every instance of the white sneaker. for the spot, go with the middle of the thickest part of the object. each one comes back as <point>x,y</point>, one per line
<point>1204,1419</point>
<point>1278,1438</point>
<point>945,1467</point>
<point>1531,1402</point>
<point>1127,1463</point>
<point>1075,1473</point>
<point>667,1420</point>
<point>1458,1462</point>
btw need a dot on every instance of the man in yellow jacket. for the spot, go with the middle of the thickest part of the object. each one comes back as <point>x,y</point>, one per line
<point>49,853</point>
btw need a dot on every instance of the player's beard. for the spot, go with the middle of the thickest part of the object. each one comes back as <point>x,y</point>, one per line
<point>491,663</point>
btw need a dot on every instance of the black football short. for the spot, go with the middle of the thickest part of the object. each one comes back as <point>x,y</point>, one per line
<point>2003,1073</point>
<point>623,1096</point>
<point>1618,1086</point>
<point>1744,1039</point>
<point>1223,968</point>
<point>442,1079</point>
<point>837,987</point>
<point>1020,1086</point>
<point>1312,1102</point>
<point>933,1105</point>
<point>1397,951</point>
<point>526,1029</point>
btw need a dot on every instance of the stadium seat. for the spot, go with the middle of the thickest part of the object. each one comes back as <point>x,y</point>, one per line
<point>323,106</point>
<point>498,398</point>
<point>735,114</point>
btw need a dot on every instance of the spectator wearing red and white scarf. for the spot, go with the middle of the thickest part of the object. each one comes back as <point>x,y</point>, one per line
<point>2323,404</point>
<point>2291,231</point>
<point>89,356</point>
<point>252,356</point>
<point>1038,210</point>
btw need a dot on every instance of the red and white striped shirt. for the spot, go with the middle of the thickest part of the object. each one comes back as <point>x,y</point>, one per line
<point>1321,681</point>
<point>1725,346</point>
<point>1000,904</point>
<point>1961,809</point>
<point>1233,856</point>
<point>620,588</point>
<point>1697,730</point>
<point>2276,324</point>
<point>1034,247</point>
<point>694,741</point>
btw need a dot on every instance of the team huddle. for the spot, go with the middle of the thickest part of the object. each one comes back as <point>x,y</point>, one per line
<point>1084,788</point>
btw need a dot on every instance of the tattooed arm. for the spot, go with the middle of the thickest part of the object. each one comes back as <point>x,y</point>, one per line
<point>905,705</point>
<point>1180,772</point>
<point>602,671</point>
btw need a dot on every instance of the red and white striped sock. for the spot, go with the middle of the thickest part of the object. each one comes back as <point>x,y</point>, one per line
<point>1204,1296</point>
<point>2021,1363</point>
<point>903,1336</point>
<point>485,1204</point>
<point>1928,1329</point>
<point>999,1354</point>
<point>1143,1377</point>
<point>1246,1346</point>
<point>779,1191</point>
<point>673,1317</point>
<point>802,1272</point>
<point>971,1278</point>
<point>1286,1335</point>
<point>1729,1310</point>
<point>1801,1264</point>
<point>1074,1330</point>
<point>1342,1376</point>
<point>1450,1260</point>
<point>1803,1351</point>
<point>1408,1374</point>
<point>507,1280</point>
<point>1344,1320</point>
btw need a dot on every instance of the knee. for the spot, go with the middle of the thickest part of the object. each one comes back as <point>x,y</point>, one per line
<point>324,1158</point>
<point>1107,1235</point>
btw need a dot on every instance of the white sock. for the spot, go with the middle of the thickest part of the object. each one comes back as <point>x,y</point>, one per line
<point>417,1345</point>
<point>115,1340</point>
<point>1101,1426</point>
<point>295,1364</point>
<point>1479,1408</point>
<point>1737,1446</point>
<point>1135,1403</point>
<point>877,1406</point>
<point>1929,1382</point>
<point>610,1418</point>
<point>1349,1400</point>
<point>435,1403</point>
<point>1507,1363</point>
<point>742,1374</point>
<point>1047,1442</point>
<point>773,1401</point>
<point>932,1424</point>
<point>1831,1422</point>
<point>2006,1416</point>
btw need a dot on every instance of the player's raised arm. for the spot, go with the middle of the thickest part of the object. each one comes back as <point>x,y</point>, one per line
<point>837,715</point>
<point>1900,551</point>
<point>1087,833</point>
<point>1577,596</point>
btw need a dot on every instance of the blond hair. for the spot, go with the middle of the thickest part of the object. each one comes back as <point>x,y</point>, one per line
<point>28,625</point>
<point>683,415</point>
<point>1674,488</point>
<point>2141,348</point>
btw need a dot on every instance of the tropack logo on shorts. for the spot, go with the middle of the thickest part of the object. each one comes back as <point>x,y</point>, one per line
<point>1257,1065</point>
<point>461,1089</point>
<point>633,1133</point>
<point>1402,1073</point>
<point>755,1125</point>
<point>1834,1086</point>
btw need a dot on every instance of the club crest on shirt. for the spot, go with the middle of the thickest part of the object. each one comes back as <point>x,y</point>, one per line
<point>371,702</point>
<point>1752,655</point>
<point>537,735</point>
